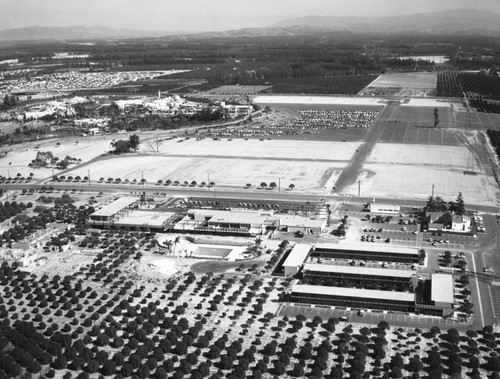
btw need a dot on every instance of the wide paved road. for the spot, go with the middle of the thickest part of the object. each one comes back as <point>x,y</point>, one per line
<point>230,193</point>
<point>351,172</point>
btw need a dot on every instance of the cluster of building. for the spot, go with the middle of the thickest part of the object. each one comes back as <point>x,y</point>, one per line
<point>127,212</point>
<point>435,297</point>
<point>458,223</point>
<point>57,108</point>
<point>67,55</point>
<point>72,80</point>
<point>169,105</point>
<point>18,72</point>
<point>174,105</point>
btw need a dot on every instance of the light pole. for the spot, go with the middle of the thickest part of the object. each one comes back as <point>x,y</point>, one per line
<point>432,193</point>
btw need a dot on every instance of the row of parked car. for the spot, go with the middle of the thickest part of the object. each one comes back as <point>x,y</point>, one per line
<point>373,238</point>
<point>478,220</point>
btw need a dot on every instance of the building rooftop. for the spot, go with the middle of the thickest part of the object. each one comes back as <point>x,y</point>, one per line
<point>115,207</point>
<point>442,288</point>
<point>377,206</point>
<point>145,218</point>
<point>368,248</point>
<point>354,292</point>
<point>299,221</point>
<point>231,217</point>
<point>361,270</point>
<point>298,255</point>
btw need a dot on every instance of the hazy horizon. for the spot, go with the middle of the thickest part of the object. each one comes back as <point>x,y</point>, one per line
<point>204,15</point>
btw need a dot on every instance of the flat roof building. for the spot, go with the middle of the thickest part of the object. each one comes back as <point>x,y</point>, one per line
<point>367,252</point>
<point>384,208</point>
<point>296,258</point>
<point>359,270</point>
<point>254,222</point>
<point>306,225</point>
<point>442,292</point>
<point>153,220</point>
<point>354,297</point>
<point>111,210</point>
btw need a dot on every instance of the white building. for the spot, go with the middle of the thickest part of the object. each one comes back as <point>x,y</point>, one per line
<point>384,208</point>
<point>296,258</point>
<point>460,223</point>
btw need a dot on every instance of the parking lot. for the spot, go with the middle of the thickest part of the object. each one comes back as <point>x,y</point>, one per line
<point>410,235</point>
<point>369,317</point>
<point>495,299</point>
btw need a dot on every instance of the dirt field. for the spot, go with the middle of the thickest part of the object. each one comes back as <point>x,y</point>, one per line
<point>475,120</point>
<point>274,149</point>
<point>407,84</point>
<point>409,171</point>
<point>227,172</point>
<point>18,159</point>
<point>237,90</point>
<point>315,100</point>
<point>310,165</point>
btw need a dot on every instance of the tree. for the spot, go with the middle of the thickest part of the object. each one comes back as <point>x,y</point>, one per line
<point>436,117</point>
<point>279,368</point>
<point>9,101</point>
<point>273,185</point>
<point>134,142</point>
<point>459,206</point>
<point>298,370</point>
<point>383,325</point>
<point>291,186</point>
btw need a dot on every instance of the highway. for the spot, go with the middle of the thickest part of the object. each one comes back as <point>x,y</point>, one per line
<point>231,193</point>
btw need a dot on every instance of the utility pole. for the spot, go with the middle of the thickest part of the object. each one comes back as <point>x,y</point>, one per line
<point>359,188</point>
<point>432,193</point>
<point>88,171</point>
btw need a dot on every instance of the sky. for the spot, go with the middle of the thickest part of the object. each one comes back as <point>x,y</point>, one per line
<point>208,15</point>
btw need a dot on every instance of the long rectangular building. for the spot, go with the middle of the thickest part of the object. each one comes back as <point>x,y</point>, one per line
<point>354,297</point>
<point>372,252</point>
<point>109,211</point>
<point>312,270</point>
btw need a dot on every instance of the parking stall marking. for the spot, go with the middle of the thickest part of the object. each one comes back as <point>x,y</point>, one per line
<point>495,299</point>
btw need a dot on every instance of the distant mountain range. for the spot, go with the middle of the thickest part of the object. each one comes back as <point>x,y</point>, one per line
<point>456,22</point>
<point>462,22</point>
<point>35,33</point>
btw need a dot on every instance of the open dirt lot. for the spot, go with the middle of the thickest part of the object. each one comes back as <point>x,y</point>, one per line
<point>476,120</point>
<point>273,149</point>
<point>18,159</point>
<point>408,124</point>
<point>237,90</point>
<point>407,84</point>
<point>307,164</point>
<point>410,171</point>
<point>227,172</point>
<point>327,100</point>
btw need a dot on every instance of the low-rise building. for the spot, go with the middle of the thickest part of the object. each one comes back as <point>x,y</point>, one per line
<point>442,293</point>
<point>461,223</point>
<point>306,225</point>
<point>143,219</point>
<point>110,212</point>
<point>384,208</point>
<point>312,271</point>
<point>296,258</point>
<point>367,252</point>
<point>354,297</point>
